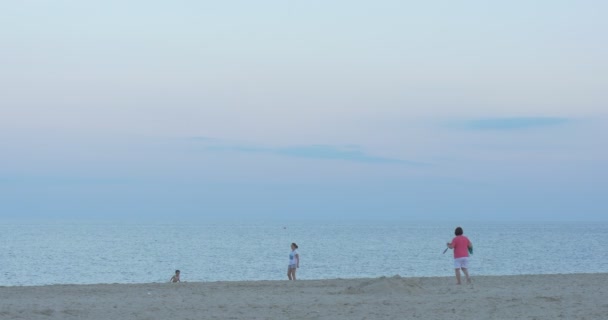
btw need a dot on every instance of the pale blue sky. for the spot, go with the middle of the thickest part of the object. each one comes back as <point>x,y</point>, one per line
<point>195,110</point>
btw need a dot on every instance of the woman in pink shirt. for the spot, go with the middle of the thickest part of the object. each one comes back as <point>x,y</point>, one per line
<point>462,246</point>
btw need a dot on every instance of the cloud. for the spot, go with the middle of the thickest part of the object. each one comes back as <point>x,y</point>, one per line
<point>316,151</point>
<point>65,178</point>
<point>514,123</point>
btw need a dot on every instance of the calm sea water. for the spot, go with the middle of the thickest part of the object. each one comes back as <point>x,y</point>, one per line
<point>40,254</point>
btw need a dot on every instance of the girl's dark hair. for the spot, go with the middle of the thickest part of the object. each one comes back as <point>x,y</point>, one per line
<point>458,231</point>
<point>176,271</point>
<point>294,244</point>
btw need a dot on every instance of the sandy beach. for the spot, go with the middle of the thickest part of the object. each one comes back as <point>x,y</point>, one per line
<point>573,296</point>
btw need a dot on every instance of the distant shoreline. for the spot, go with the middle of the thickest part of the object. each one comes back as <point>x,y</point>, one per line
<point>301,280</point>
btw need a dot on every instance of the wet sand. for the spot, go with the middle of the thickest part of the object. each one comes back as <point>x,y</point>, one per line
<point>573,296</point>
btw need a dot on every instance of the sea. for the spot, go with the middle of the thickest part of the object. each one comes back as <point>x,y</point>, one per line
<point>33,254</point>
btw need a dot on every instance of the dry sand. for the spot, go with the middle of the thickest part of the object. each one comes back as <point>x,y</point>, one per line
<point>573,296</point>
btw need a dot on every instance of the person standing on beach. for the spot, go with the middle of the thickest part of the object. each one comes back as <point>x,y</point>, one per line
<point>175,277</point>
<point>294,262</point>
<point>462,246</point>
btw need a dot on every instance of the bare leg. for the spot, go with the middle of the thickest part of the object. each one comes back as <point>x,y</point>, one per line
<point>293,273</point>
<point>457,271</point>
<point>289,273</point>
<point>466,273</point>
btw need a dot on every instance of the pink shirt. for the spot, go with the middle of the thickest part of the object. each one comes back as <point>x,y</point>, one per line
<point>460,245</point>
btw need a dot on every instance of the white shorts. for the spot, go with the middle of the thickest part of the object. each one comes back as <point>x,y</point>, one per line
<point>461,263</point>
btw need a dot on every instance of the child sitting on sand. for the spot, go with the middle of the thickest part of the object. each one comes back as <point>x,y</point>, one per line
<point>175,277</point>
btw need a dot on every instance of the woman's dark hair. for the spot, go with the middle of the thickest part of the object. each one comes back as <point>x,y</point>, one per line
<point>458,231</point>
<point>176,271</point>
<point>294,244</point>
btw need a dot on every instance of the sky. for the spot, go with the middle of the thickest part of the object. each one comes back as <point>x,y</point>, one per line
<point>190,110</point>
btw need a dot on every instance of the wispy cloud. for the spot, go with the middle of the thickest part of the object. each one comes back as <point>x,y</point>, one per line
<point>63,179</point>
<point>317,151</point>
<point>514,123</point>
